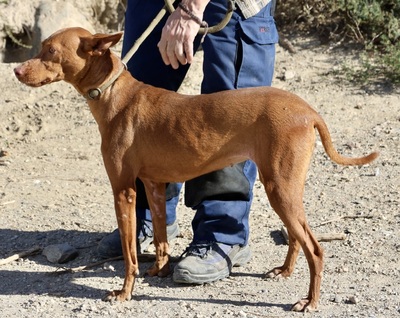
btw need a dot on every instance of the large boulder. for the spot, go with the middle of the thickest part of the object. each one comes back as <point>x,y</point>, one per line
<point>53,15</point>
<point>24,24</point>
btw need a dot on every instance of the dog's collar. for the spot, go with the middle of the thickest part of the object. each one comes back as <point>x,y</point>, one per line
<point>94,93</point>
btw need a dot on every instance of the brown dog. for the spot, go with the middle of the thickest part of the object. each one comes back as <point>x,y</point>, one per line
<point>148,133</point>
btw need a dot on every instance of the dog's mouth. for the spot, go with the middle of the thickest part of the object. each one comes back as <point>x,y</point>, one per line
<point>31,78</point>
<point>34,84</point>
<point>46,81</point>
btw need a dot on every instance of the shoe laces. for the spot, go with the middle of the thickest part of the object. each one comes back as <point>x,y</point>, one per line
<point>198,249</point>
<point>144,229</point>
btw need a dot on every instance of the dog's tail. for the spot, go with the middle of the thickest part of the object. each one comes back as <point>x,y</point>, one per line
<point>323,131</point>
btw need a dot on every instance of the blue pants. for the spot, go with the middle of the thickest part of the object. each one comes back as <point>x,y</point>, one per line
<point>241,55</point>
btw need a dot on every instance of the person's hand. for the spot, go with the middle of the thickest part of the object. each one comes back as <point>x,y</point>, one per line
<point>176,43</point>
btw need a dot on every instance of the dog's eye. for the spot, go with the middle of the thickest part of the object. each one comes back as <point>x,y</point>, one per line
<point>52,50</point>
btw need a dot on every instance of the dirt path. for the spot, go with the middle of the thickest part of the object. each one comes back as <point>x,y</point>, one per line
<point>53,189</point>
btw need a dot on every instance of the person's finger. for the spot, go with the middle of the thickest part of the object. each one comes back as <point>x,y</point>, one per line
<point>173,60</point>
<point>188,48</point>
<point>180,53</point>
<point>162,47</point>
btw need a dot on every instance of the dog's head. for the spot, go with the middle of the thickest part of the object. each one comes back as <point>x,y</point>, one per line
<point>65,55</point>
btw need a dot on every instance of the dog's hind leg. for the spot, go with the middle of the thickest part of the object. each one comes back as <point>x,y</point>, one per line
<point>291,211</point>
<point>294,245</point>
<point>284,178</point>
<point>288,266</point>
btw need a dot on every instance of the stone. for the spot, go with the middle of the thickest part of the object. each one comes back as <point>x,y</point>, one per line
<point>53,16</point>
<point>60,253</point>
<point>289,75</point>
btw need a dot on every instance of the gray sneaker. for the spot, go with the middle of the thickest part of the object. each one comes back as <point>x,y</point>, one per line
<point>205,263</point>
<point>110,245</point>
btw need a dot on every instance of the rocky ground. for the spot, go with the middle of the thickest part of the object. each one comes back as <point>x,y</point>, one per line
<point>54,189</point>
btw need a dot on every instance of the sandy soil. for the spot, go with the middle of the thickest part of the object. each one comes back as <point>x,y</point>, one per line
<point>54,189</point>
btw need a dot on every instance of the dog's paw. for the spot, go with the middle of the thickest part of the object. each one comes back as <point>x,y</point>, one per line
<point>117,295</point>
<point>278,272</point>
<point>304,305</point>
<point>155,270</point>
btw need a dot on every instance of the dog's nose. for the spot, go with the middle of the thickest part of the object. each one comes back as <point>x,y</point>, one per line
<point>18,71</point>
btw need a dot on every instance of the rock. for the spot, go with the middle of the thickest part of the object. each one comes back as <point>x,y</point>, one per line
<point>353,300</point>
<point>242,314</point>
<point>54,15</point>
<point>338,299</point>
<point>108,267</point>
<point>289,75</point>
<point>60,253</point>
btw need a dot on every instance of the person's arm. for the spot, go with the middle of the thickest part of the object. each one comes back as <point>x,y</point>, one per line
<point>179,32</point>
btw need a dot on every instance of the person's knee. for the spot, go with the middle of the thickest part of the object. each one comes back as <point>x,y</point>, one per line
<point>229,184</point>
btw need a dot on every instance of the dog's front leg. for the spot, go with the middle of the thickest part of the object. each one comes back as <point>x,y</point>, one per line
<point>155,193</point>
<point>125,207</point>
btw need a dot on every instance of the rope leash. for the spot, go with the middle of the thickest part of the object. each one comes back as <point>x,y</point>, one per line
<point>168,7</point>
<point>195,18</point>
<point>96,92</point>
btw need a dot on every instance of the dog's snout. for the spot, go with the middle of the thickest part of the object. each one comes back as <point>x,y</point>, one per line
<point>18,71</point>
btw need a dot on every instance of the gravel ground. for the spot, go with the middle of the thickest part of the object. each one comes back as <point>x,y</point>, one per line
<point>54,189</point>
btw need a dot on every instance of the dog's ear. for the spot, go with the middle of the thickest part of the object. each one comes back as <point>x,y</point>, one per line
<point>99,43</point>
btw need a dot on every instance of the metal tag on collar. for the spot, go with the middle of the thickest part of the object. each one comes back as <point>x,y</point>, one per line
<point>94,93</point>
